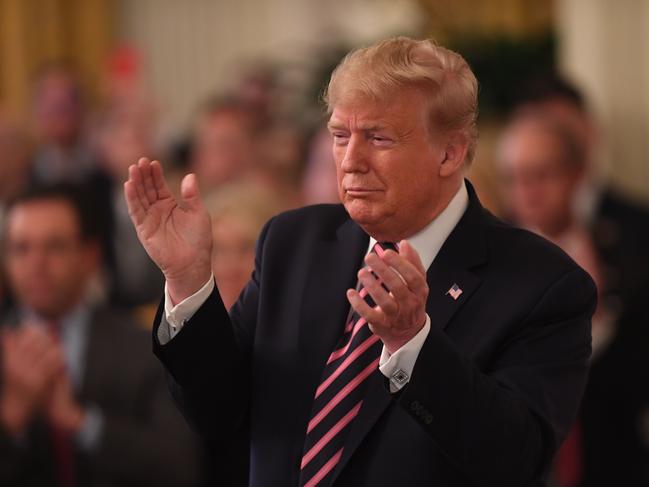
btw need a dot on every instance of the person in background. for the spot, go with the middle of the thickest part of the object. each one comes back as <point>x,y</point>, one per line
<point>257,88</point>
<point>223,144</point>
<point>543,165</point>
<point>64,153</point>
<point>280,152</point>
<point>82,402</point>
<point>238,213</point>
<point>319,181</point>
<point>14,170</point>
<point>619,227</point>
<point>123,132</point>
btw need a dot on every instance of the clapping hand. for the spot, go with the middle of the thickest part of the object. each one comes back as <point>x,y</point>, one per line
<point>176,234</point>
<point>400,313</point>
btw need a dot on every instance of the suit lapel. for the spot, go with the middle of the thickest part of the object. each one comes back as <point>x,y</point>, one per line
<point>450,277</point>
<point>463,250</point>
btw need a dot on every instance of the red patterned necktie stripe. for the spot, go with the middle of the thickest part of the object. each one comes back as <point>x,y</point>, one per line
<point>339,396</point>
<point>62,442</point>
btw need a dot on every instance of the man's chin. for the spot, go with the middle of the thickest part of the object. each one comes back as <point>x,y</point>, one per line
<point>364,214</point>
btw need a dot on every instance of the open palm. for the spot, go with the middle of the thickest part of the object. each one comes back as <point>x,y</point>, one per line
<point>175,233</point>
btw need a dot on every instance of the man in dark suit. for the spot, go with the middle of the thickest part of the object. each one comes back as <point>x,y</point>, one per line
<point>460,354</point>
<point>81,403</point>
<point>619,226</point>
<point>609,443</point>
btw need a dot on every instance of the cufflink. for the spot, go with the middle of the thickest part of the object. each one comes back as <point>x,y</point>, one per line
<point>399,378</point>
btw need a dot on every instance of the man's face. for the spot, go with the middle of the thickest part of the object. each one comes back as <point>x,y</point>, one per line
<point>48,264</point>
<point>58,108</point>
<point>387,163</point>
<point>222,148</point>
<point>539,184</point>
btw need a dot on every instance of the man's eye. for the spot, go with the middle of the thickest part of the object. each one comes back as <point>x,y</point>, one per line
<point>380,140</point>
<point>340,138</point>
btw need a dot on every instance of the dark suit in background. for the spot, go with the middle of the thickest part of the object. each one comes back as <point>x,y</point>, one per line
<point>494,390</point>
<point>620,231</point>
<point>144,440</point>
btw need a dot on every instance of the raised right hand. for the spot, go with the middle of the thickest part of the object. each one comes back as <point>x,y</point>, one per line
<point>177,234</point>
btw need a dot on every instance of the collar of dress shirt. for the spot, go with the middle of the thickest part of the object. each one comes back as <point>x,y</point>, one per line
<point>430,239</point>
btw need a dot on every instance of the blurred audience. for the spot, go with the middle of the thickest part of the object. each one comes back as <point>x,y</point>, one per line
<point>280,150</point>
<point>63,150</point>
<point>257,89</point>
<point>222,144</point>
<point>14,170</point>
<point>125,132</point>
<point>14,159</point>
<point>82,400</point>
<point>238,213</point>
<point>544,163</point>
<point>320,184</point>
<point>619,226</point>
<point>542,167</point>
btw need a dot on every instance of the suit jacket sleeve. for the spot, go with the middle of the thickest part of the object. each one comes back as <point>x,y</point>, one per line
<point>502,426</point>
<point>208,360</point>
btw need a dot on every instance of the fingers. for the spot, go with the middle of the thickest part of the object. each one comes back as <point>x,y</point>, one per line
<point>135,208</point>
<point>135,177</point>
<point>406,250</point>
<point>370,314</point>
<point>150,192</point>
<point>32,341</point>
<point>189,192</point>
<point>159,180</point>
<point>413,273</point>
<point>381,297</point>
<point>404,277</point>
<point>388,276</point>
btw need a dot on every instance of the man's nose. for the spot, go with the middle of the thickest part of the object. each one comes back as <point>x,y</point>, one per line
<point>355,159</point>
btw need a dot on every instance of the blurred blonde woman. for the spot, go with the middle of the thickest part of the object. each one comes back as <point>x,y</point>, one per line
<point>238,213</point>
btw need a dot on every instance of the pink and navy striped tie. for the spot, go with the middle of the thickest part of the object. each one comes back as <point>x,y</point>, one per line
<point>339,396</point>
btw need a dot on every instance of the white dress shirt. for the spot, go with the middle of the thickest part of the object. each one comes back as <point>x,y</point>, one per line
<point>397,367</point>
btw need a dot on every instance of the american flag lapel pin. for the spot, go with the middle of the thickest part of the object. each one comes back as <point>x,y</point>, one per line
<point>455,291</point>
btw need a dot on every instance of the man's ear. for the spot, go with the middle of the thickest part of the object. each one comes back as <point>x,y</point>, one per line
<point>454,155</point>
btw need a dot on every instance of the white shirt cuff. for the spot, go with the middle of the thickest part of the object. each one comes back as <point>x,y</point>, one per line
<point>178,315</point>
<point>398,367</point>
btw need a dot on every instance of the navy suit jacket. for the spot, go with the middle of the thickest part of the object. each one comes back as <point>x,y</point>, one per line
<point>494,390</point>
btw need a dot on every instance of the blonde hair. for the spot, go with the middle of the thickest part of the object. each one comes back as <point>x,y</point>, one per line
<point>378,71</point>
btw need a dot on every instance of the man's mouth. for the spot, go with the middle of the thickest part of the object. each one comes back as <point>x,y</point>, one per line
<point>356,191</point>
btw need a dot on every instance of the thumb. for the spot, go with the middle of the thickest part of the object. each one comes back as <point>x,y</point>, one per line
<point>410,254</point>
<point>189,192</point>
